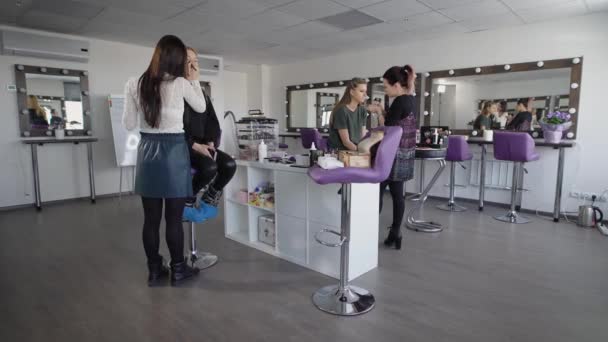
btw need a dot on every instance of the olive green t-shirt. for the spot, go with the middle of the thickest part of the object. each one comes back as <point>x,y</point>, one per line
<point>344,118</point>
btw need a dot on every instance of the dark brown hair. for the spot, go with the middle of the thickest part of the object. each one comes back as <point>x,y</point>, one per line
<point>168,62</point>
<point>524,101</point>
<point>404,75</point>
<point>346,97</point>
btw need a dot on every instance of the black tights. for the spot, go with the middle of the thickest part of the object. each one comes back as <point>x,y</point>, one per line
<point>153,210</point>
<point>396,188</point>
<point>206,168</point>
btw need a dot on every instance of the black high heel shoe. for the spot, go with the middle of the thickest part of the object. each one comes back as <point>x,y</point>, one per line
<point>393,238</point>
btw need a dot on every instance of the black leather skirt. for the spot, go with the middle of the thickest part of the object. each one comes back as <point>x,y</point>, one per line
<point>163,166</point>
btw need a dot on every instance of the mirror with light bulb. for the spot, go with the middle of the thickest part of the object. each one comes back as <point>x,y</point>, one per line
<point>310,105</point>
<point>515,97</point>
<point>52,99</point>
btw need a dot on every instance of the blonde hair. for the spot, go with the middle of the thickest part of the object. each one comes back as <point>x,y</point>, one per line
<point>486,108</point>
<point>32,103</point>
<point>346,97</point>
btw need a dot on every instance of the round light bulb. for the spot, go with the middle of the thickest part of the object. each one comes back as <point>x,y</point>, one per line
<point>572,110</point>
<point>574,85</point>
<point>540,64</point>
<point>576,60</point>
<point>478,70</point>
<point>570,135</point>
<point>507,67</point>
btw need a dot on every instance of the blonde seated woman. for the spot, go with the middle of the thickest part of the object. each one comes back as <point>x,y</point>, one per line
<point>348,118</point>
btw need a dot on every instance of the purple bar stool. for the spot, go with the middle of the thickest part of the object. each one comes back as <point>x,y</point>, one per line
<point>310,135</point>
<point>344,299</point>
<point>518,148</point>
<point>458,151</point>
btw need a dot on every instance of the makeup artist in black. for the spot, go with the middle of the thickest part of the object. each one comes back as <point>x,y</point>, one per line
<point>399,84</point>
<point>523,119</point>
<point>214,168</point>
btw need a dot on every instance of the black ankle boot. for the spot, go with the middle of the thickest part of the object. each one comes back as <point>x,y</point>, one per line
<point>394,238</point>
<point>182,271</point>
<point>158,272</point>
<point>212,196</point>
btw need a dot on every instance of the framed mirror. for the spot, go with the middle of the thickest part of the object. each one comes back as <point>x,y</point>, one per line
<point>310,105</point>
<point>455,97</point>
<point>52,98</point>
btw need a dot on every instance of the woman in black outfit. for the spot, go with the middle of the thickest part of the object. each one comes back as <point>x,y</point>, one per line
<point>214,168</point>
<point>399,84</point>
<point>523,119</point>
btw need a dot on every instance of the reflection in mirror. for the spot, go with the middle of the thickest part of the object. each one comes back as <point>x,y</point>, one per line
<point>54,101</point>
<point>458,102</point>
<point>311,107</point>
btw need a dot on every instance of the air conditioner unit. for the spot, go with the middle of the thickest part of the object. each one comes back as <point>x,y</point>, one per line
<point>43,46</point>
<point>210,65</point>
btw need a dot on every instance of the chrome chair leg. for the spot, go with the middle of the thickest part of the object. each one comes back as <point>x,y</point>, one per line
<point>343,299</point>
<point>512,216</point>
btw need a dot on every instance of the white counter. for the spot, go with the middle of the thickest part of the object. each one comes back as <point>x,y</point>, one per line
<point>302,208</point>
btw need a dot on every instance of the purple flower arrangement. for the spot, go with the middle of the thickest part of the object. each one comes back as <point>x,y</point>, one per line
<point>556,121</point>
<point>554,125</point>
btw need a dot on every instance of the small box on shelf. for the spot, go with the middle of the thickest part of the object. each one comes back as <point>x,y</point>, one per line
<point>266,230</point>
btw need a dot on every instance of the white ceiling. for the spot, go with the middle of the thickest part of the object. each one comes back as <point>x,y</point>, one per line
<point>279,31</point>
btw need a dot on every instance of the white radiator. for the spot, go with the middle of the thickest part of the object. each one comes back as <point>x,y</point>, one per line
<point>499,174</point>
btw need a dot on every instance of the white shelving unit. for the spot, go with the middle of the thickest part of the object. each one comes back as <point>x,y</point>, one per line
<point>301,209</point>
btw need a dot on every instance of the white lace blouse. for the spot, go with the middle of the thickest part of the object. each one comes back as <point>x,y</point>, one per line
<point>173,94</point>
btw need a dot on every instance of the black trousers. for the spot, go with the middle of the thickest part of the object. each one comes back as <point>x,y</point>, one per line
<point>397,193</point>
<point>174,234</point>
<point>206,168</point>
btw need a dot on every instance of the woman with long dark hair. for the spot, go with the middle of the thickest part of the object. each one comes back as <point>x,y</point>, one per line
<point>399,84</point>
<point>155,101</point>
<point>348,118</point>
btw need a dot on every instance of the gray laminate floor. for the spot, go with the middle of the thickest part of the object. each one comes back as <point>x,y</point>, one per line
<point>76,272</point>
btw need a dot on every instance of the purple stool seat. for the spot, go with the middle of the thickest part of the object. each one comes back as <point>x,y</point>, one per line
<point>344,299</point>
<point>518,148</point>
<point>379,172</point>
<point>458,151</point>
<point>310,135</point>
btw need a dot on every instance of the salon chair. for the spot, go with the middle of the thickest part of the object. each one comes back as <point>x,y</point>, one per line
<point>344,299</point>
<point>458,151</point>
<point>312,135</point>
<point>518,148</point>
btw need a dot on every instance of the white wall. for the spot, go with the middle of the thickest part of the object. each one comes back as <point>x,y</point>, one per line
<point>582,36</point>
<point>63,167</point>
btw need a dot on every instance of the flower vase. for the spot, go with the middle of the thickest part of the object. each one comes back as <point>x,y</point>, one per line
<point>553,137</point>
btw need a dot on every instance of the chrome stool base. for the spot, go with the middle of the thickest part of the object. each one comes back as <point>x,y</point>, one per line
<point>512,217</point>
<point>421,225</point>
<point>350,301</point>
<point>203,261</point>
<point>451,207</point>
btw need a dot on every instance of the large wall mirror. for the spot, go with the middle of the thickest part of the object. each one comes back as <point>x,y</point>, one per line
<point>310,105</point>
<point>52,98</point>
<point>455,98</point>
